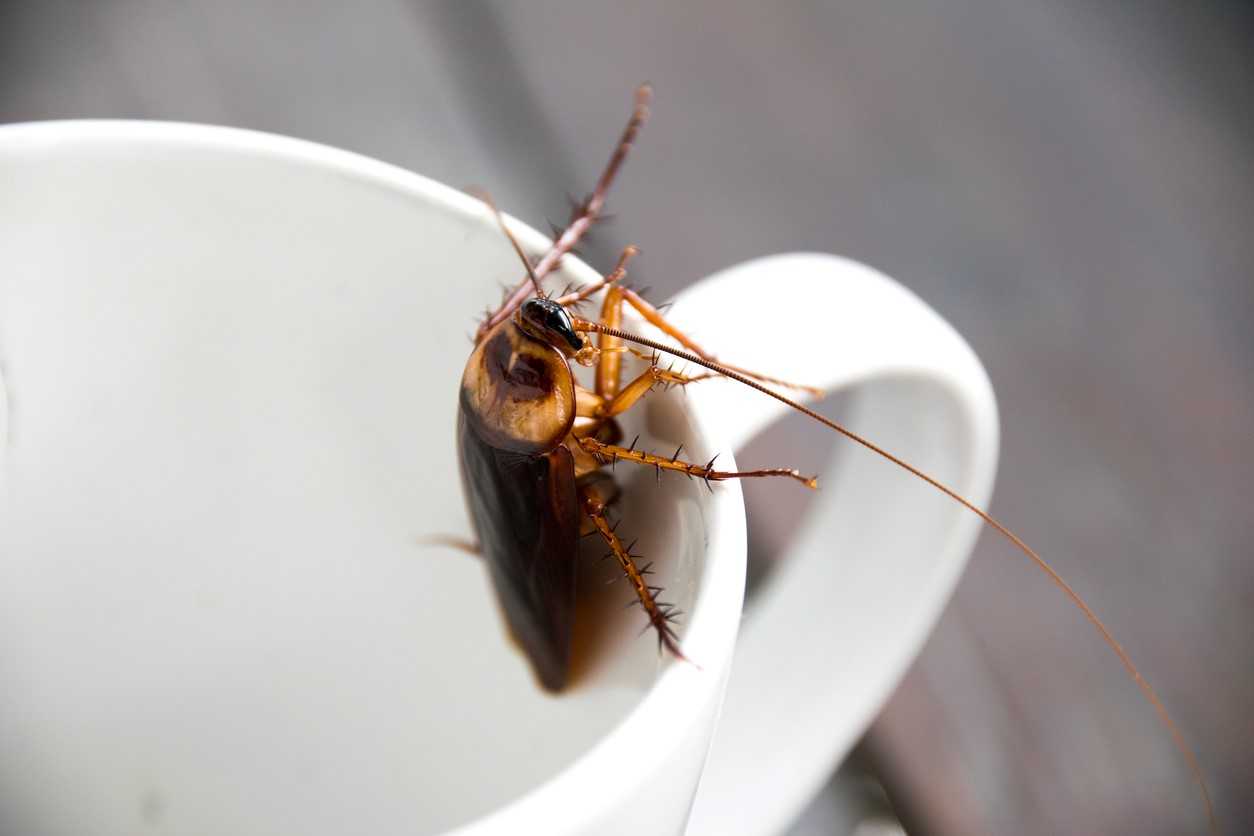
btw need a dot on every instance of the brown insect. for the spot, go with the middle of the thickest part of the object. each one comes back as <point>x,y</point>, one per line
<point>534,445</point>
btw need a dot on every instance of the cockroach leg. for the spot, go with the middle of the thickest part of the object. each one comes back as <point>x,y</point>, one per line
<point>567,299</point>
<point>609,349</point>
<point>654,317</point>
<point>705,472</point>
<point>662,616</point>
<point>626,398</point>
<point>588,404</point>
<point>584,216</point>
<point>668,375</point>
<point>610,359</point>
<point>642,385</point>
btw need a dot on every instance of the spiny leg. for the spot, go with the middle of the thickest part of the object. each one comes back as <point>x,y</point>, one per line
<point>609,349</point>
<point>605,354</point>
<point>661,614</point>
<point>588,213</point>
<point>642,385</point>
<point>590,404</point>
<point>610,453</point>
<point>669,375</point>
<point>610,358</point>
<point>567,300</point>
<point>655,318</point>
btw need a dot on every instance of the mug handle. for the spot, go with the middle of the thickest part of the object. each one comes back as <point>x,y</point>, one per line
<point>879,552</point>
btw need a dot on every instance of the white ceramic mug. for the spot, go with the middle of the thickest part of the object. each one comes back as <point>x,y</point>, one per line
<point>229,365</point>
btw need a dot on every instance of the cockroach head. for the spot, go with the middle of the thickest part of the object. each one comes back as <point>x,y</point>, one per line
<point>548,321</point>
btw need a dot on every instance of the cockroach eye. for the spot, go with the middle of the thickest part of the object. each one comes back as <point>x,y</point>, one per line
<point>546,320</point>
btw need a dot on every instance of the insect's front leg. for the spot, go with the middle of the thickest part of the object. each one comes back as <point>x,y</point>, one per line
<point>642,385</point>
<point>661,615</point>
<point>602,406</point>
<point>654,317</point>
<point>610,349</point>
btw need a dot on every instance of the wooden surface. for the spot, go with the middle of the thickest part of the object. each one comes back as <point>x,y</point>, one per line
<point>1070,185</point>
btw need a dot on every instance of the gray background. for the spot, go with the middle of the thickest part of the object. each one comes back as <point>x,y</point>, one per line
<point>1068,182</point>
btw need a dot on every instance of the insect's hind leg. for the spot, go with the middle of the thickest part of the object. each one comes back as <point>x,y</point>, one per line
<point>661,614</point>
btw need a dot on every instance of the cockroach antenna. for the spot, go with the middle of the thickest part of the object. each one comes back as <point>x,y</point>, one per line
<point>583,325</point>
<point>500,221</point>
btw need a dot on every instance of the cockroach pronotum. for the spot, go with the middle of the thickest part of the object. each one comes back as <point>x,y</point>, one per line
<point>534,445</point>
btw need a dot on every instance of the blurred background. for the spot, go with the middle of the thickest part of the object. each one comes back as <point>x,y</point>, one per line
<point>1071,184</point>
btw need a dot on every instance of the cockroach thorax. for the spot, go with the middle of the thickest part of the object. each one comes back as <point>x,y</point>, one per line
<point>518,392</point>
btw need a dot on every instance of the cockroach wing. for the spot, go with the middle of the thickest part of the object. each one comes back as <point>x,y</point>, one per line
<point>526,517</point>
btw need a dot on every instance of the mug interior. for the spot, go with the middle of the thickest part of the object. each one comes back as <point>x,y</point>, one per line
<point>229,369</point>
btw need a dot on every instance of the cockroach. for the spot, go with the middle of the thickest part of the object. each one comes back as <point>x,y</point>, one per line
<point>534,444</point>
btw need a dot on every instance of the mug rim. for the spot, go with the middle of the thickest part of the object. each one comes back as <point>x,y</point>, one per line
<point>682,694</point>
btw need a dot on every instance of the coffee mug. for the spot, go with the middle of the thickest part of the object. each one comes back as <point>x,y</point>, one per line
<point>228,387</point>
